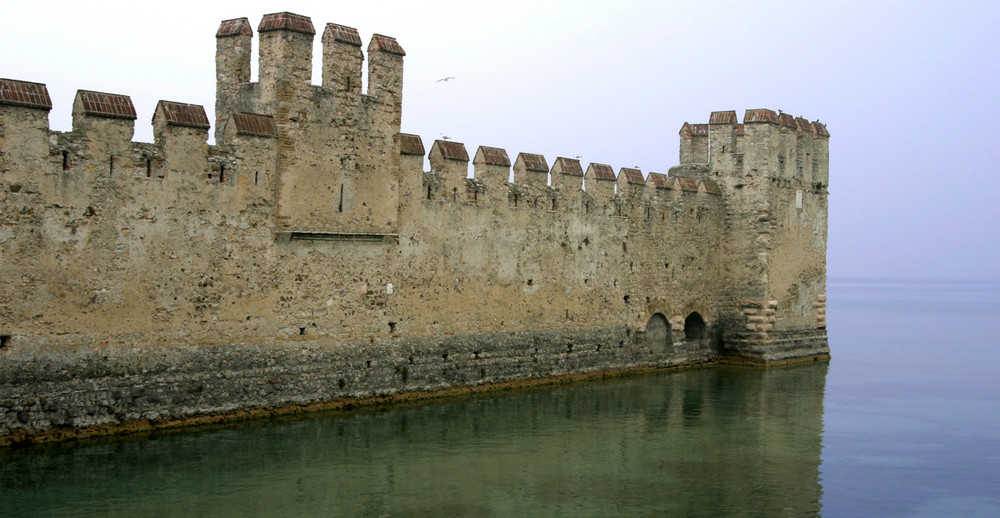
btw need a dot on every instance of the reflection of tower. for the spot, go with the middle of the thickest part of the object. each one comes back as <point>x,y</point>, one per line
<point>746,439</point>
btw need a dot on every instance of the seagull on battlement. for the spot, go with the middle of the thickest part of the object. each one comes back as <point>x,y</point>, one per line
<point>443,79</point>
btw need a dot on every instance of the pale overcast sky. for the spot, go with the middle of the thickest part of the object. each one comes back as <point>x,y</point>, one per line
<point>908,89</point>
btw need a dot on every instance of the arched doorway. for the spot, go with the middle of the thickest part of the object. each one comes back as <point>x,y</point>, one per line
<point>658,334</point>
<point>694,327</point>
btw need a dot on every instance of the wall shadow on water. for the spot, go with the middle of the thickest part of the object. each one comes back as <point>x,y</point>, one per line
<point>711,441</point>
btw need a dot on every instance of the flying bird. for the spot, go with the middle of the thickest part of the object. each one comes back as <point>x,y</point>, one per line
<point>449,78</point>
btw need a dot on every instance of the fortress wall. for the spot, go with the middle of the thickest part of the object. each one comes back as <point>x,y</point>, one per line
<point>533,265</point>
<point>175,271</point>
<point>196,227</point>
<point>308,256</point>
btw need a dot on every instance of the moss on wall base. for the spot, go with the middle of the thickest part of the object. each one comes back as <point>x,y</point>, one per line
<point>71,392</point>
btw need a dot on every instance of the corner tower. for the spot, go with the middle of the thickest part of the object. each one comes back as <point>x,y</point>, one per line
<point>773,170</point>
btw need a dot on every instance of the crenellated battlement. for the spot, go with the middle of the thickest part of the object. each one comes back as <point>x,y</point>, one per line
<point>271,109</point>
<point>767,143</point>
<point>310,240</point>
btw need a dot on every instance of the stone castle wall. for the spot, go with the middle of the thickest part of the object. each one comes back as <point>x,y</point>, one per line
<point>307,257</point>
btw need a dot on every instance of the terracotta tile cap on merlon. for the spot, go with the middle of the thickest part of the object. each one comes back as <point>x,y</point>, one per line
<point>804,125</point>
<point>234,27</point>
<point>286,22</point>
<point>659,180</point>
<point>101,104</point>
<point>385,44</point>
<point>451,150</point>
<point>760,115</point>
<point>694,130</point>
<point>687,184</point>
<point>725,117</point>
<point>181,114</point>
<point>602,171</point>
<point>632,175</point>
<point>343,34</point>
<point>533,162</point>
<point>24,93</point>
<point>254,125</point>
<point>493,156</point>
<point>570,166</point>
<point>410,145</point>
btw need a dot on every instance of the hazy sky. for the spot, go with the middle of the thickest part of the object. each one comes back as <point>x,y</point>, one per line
<point>908,90</point>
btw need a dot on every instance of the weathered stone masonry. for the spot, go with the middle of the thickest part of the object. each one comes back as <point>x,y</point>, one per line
<point>307,257</point>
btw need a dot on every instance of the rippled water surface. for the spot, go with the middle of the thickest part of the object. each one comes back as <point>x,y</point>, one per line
<point>902,422</point>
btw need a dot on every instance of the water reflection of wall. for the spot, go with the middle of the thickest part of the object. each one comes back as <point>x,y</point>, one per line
<point>711,441</point>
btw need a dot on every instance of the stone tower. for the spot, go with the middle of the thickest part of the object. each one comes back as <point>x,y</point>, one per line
<point>774,170</point>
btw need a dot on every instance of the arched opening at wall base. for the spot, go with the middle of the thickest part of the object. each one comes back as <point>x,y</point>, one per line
<point>694,327</point>
<point>658,336</point>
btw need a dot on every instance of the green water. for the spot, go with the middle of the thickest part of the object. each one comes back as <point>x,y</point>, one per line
<point>904,421</point>
<point>684,443</point>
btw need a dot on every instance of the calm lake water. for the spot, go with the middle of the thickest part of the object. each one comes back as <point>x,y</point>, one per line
<point>904,421</point>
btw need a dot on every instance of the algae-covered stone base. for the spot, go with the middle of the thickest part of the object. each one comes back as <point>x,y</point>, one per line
<point>51,393</point>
